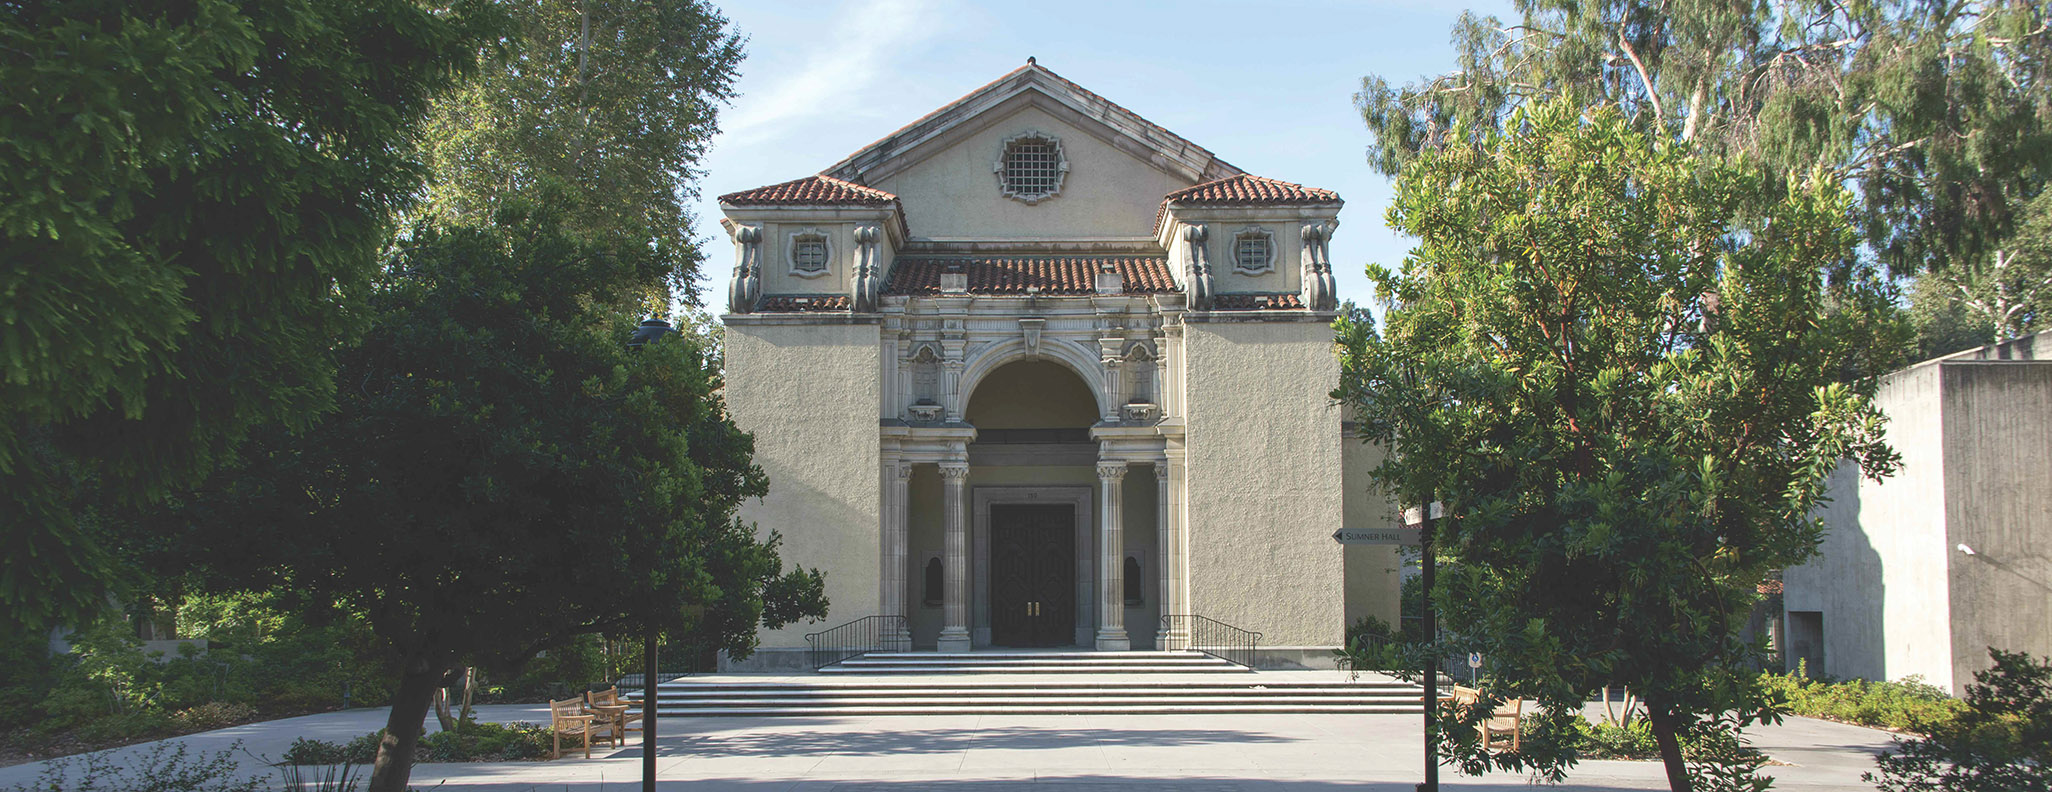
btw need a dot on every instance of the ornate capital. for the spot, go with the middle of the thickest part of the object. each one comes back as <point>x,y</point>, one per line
<point>954,471</point>
<point>1161,472</point>
<point>1111,471</point>
<point>904,472</point>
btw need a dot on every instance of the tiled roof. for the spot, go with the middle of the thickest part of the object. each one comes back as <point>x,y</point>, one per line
<point>1256,302</point>
<point>803,303</point>
<point>1015,274</point>
<point>811,190</point>
<point>1249,190</point>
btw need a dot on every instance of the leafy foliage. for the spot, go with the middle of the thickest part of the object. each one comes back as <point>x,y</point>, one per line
<point>192,195</point>
<point>502,474</point>
<point>164,767</point>
<point>613,100</point>
<point>1615,365</point>
<point>1906,705</point>
<point>2001,741</point>
<point>1939,115</point>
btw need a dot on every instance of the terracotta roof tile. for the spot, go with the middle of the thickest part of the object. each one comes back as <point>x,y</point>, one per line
<point>1249,190</point>
<point>1256,302</point>
<point>803,303</point>
<point>920,275</point>
<point>811,190</point>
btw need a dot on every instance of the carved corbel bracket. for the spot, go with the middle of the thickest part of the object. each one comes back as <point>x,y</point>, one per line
<point>1031,329</point>
<point>745,290</point>
<point>867,287</point>
<point>1199,266</point>
<point>1321,292</point>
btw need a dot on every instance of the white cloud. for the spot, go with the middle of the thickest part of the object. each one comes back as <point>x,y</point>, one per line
<point>862,43</point>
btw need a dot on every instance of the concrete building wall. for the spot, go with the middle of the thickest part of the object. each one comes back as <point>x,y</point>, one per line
<point>1263,470</point>
<point>1106,193</point>
<point>808,393</point>
<point>1879,581</point>
<point>1998,480</point>
<point>1891,593</point>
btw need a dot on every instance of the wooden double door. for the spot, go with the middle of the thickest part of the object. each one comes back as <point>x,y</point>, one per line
<point>1032,574</point>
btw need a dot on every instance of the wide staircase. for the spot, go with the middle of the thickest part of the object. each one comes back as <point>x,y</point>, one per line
<point>1035,683</point>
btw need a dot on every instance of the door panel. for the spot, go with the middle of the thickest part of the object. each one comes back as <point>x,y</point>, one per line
<point>1033,574</point>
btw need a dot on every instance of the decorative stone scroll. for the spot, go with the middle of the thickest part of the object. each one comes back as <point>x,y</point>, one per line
<point>1320,291</point>
<point>868,283</point>
<point>1200,266</point>
<point>745,291</point>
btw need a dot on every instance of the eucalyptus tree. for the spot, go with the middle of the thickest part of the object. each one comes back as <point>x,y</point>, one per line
<point>1937,112</point>
<point>614,100</point>
<point>1619,371</point>
<point>192,197</point>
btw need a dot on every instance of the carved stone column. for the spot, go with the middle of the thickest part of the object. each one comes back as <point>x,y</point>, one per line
<point>1163,547</point>
<point>954,634</point>
<point>897,547</point>
<point>1111,559</point>
<point>1199,288</point>
<point>867,285</point>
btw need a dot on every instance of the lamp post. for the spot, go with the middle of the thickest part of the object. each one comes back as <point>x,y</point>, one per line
<point>1423,517</point>
<point>650,330</point>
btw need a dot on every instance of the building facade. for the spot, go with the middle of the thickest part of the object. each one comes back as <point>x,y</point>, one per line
<point>1922,572</point>
<point>1033,371</point>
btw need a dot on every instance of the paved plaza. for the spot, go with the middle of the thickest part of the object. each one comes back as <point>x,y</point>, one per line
<point>1022,753</point>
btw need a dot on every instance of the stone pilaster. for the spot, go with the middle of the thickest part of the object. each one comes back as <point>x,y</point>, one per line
<point>897,546</point>
<point>954,635</point>
<point>1111,558</point>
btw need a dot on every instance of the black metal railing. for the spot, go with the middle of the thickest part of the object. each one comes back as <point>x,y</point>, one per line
<point>1210,636</point>
<point>856,638</point>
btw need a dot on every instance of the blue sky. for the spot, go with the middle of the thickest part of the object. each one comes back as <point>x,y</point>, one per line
<point>1266,86</point>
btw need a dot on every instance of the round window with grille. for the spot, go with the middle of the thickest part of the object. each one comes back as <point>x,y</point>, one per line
<point>1031,167</point>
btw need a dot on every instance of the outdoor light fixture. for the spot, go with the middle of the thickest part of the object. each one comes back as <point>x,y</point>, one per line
<point>1967,550</point>
<point>650,330</point>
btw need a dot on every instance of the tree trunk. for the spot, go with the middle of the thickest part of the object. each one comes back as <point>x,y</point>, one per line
<point>394,765</point>
<point>469,692</point>
<point>1666,732</point>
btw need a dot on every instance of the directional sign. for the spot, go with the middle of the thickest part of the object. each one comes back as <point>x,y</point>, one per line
<point>1377,536</point>
<point>1474,659</point>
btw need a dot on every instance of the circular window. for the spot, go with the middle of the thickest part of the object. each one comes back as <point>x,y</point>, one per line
<point>1030,167</point>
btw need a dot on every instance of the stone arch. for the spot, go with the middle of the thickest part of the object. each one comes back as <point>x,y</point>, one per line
<point>983,361</point>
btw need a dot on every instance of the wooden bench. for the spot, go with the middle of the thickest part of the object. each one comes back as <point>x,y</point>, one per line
<point>568,717</point>
<point>1499,725</point>
<point>612,712</point>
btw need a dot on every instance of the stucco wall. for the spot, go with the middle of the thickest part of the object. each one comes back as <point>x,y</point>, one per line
<point>1107,193</point>
<point>1879,580</point>
<point>1374,574</point>
<point>809,395</point>
<point>1263,473</point>
<point>1998,479</point>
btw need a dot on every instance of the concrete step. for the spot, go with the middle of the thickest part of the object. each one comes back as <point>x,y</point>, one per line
<point>1236,708</point>
<point>1141,662</point>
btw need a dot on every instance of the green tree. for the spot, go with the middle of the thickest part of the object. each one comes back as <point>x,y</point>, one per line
<point>502,474</point>
<point>192,196</point>
<point>614,99</point>
<point>2001,743</point>
<point>1614,364</point>
<point>1939,114</point>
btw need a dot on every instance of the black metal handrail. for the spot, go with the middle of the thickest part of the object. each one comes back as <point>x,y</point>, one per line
<point>857,638</point>
<point>1210,636</point>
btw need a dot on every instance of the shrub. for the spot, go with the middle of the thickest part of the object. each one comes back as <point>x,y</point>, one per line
<point>1605,741</point>
<point>314,752</point>
<point>163,768</point>
<point>1909,704</point>
<point>2001,739</point>
<point>469,742</point>
<point>213,715</point>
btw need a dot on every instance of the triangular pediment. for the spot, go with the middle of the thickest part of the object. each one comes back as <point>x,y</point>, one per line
<point>1032,86</point>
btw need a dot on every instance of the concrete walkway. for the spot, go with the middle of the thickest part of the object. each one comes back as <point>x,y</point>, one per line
<point>1054,753</point>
